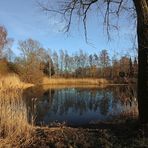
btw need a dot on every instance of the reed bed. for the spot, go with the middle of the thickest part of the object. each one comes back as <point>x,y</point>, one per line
<point>81,86</point>
<point>12,81</point>
<point>131,113</point>
<point>15,131</point>
<point>74,81</point>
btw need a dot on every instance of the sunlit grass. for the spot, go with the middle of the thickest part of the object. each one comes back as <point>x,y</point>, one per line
<point>14,127</point>
<point>75,81</point>
<point>12,81</point>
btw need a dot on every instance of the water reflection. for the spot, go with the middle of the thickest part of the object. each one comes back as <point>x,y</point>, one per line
<point>78,105</point>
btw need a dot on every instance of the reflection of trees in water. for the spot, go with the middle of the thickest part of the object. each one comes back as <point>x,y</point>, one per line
<point>67,100</point>
<point>38,101</point>
<point>76,101</point>
<point>124,99</point>
<point>44,104</point>
<point>126,95</point>
<point>104,103</point>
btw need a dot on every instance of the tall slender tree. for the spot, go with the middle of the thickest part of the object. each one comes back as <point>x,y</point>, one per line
<point>104,60</point>
<point>3,40</point>
<point>55,58</point>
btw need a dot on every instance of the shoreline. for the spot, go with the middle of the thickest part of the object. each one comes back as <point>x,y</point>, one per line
<point>116,133</point>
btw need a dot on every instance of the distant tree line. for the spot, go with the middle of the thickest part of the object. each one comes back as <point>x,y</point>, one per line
<point>34,62</point>
<point>82,65</point>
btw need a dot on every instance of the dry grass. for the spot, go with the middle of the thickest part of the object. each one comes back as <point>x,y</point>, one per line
<point>81,86</point>
<point>12,81</point>
<point>14,128</point>
<point>131,113</point>
<point>76,81</point>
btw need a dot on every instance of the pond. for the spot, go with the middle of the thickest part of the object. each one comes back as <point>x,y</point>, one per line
<point>78,106</point>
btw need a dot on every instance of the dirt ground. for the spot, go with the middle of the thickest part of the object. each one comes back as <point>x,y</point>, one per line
<point>125,134</point>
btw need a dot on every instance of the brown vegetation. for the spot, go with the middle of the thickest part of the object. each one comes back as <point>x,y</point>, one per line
<point>121,133</point>
<point>15,131</point>
<point>14,127</point>
<point>12,81</point>
<point>75,81</point>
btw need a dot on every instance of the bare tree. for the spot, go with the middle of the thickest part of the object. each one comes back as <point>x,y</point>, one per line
<point>55,58</point>
<point>62,58</point>
<point>104,61</point>
<point>113,8</point>
<point>3,39</point>
<point>29,63</point>
<point>28,48</point>
<point>124,64</point>
<point>8,52</point>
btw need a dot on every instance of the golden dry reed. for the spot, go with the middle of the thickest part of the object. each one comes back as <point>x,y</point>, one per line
<point>14,127</point>
<point>74,81</point>
<point>12,81</point>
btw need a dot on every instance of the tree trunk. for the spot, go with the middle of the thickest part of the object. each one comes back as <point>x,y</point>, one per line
<point>142,32</point>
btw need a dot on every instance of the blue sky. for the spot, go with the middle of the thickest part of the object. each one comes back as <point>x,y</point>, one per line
<point>23,19</point>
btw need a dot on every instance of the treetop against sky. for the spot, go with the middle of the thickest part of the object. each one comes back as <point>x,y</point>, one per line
<point>24,19</point>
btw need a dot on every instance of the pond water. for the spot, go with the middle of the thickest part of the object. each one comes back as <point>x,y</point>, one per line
<point>78,106</point>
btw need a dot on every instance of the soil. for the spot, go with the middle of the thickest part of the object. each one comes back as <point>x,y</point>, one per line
<point>117,134</point>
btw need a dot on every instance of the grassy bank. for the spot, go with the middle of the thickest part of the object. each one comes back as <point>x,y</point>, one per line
<point>74,81</point>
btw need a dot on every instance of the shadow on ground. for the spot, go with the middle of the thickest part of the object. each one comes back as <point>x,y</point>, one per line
<point>121,134</point>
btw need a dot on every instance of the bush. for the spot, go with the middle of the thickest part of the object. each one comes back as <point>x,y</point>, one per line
<point>3,66</point>
<point>29,73</point>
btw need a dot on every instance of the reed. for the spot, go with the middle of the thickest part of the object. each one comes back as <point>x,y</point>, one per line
<point>130,113</point>
<point>12,81</point>
<point>74,81</point>
<point>15,131</point>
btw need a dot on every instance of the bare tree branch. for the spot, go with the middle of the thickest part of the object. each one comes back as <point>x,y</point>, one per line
<point>67,9</point>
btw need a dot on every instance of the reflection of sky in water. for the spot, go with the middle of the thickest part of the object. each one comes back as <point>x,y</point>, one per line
<point>79,106</point>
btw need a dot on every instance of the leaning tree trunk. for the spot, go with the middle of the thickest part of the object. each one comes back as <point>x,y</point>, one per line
<point>142,32</point>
